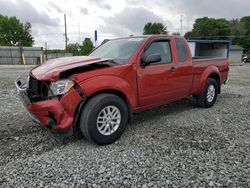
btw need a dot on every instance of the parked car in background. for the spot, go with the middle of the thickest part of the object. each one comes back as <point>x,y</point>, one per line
<point>99,93</point>
<point>246,58</point>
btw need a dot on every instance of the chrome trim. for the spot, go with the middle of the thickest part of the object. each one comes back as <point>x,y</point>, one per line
<point>22,92</point>
<point>226,81</point>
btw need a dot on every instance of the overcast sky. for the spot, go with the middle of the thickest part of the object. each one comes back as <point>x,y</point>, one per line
<point>113,18</point>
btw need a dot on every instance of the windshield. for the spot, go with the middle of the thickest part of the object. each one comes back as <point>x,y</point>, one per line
<point>120,50</point>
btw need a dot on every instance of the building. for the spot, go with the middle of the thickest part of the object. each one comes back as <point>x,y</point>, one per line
<point>235,54</point>
<point>216,49</point>
<point>209,48</point>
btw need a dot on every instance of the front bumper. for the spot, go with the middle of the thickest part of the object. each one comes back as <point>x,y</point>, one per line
<point>55,114</point>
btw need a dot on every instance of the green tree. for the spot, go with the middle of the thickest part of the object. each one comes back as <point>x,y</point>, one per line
<point>55,51</point>
<point>154,28</point>
<point>176,33</point>
<point>245,24</point>
<point>240,30</point>
<point>188,34</point>
<point>235,27</point>
<point>210,28</point>
<point>14,33</point>
<point>87,46</point>
<point>74,49</point>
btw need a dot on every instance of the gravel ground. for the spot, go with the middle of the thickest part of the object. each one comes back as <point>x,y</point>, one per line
<point>177,145</point>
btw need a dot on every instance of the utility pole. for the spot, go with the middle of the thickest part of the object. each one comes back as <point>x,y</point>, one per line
<point>46,48</point>
<point>181,25</point>
<point>66,35</point>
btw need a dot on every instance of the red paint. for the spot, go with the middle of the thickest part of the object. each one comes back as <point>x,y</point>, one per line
<point>63,110</point>
<point>144,87</point>
<point>50,70</point>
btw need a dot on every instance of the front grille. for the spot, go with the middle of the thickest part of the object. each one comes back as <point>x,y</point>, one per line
<point>38,89</point>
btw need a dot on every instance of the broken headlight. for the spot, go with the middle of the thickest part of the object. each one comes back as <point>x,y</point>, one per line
<point>61,87</point>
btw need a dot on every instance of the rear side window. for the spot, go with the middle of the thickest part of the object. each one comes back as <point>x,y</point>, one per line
<point>161,47</point>
<point>182,50</point>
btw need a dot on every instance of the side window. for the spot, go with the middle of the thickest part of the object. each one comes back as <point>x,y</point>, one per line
<point>162,47</point>
<point>182,50</point>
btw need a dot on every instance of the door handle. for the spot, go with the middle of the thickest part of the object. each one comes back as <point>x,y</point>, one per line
<point>172,69</point>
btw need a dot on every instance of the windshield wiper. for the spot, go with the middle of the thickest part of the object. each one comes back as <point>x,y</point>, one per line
<point>113,61</point>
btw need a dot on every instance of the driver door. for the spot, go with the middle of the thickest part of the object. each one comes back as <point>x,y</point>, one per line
<point>156,81</point>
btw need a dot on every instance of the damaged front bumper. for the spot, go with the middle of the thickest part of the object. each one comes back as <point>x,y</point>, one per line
<point>56,113</point>
<point>22,92</point>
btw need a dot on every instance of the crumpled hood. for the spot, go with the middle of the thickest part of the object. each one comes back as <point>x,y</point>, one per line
<point>52,69</point>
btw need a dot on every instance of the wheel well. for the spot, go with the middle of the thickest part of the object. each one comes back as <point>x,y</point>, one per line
<point>110,91</point>
<point>118,93</point>
<point>217,78</point>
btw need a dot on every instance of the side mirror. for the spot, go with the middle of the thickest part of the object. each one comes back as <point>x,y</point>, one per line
<point>150,59</point>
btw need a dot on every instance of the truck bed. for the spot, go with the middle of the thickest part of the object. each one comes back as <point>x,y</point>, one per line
<point>201,65</point>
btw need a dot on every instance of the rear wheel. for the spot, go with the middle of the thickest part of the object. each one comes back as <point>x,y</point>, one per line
<point>209,94</point>
<point>104,119</point>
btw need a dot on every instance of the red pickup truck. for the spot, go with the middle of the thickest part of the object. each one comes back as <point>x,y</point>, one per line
<point>99,93</point>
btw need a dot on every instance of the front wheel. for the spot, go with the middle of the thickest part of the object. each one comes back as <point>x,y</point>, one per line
<point>209,94</point>
<point>104,119</point>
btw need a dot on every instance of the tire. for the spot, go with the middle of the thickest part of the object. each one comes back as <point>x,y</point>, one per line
<point>209,94</point>
<point>106,130</point>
